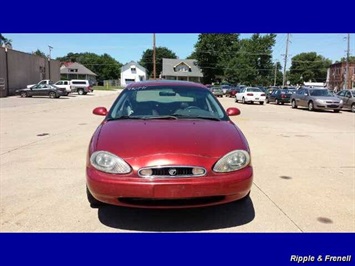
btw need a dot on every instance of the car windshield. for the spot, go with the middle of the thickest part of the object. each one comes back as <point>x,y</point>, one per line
<point>353,93</point>
<point>167,102</point>
<point>320,92</point>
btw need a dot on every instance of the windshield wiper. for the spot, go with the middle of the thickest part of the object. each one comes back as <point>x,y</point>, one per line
<point>197,117</point>
<point>159,117</point>
<point>123,117</point>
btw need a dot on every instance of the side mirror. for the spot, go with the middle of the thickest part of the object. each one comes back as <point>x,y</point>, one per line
<point>232,111</point>
<point>100,111</point>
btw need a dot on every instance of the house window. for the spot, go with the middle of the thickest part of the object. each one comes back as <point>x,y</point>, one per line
<point>133,70</point>
<point>73,70</point>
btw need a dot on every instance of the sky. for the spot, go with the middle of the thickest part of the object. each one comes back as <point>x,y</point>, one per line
<point>127,47</point>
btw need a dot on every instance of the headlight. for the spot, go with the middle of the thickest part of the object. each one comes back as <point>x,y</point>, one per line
<point>341,101</point>
<point>319,101</point>
<point>109,163</point>
<point>232,161</point>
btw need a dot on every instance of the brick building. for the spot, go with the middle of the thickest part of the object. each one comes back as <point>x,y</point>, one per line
<point>336,76</point>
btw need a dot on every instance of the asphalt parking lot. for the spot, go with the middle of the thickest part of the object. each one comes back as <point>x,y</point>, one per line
<point>304,172</point>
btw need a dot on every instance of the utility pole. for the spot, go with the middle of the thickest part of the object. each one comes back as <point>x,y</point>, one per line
<point>154,60</point>
<point>284,74</point>
<point>49,61</point>
<point>347,64</point>
<point>275,73</point>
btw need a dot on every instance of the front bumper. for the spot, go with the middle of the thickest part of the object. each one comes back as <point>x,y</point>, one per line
<point>133,191</point>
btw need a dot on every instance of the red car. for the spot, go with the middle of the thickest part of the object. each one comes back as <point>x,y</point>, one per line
<point>167,144</point>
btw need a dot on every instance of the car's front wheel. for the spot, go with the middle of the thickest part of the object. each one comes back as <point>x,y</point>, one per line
<point>52,95</point>
<point>277,101</point>
<point>310,106</point>
<point>23,94</point>
<point>94,203</point>
<point>293,104</point>
<point>261,103</point>
<point>353,107</point>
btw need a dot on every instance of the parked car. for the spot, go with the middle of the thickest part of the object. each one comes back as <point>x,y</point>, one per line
<point>157,147</point>
<point>65,84</point>
<point>232,92</point>
<point>218,92</point>
<point>316,99</point>
<point>348,97</point>
<point>251,95</point>
<point>42,90</point>
<point>225,88</point>
<point>81,86</point>
<point>280,96</point>
<point>42,82</point>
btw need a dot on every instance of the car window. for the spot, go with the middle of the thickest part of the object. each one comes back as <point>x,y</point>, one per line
<point>165,101</point>
<point>320,92</point>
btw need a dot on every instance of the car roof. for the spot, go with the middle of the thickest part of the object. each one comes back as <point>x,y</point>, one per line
<point>149,83</point>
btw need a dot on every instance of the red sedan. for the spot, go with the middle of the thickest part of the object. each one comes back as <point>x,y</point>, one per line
<point>167,144</point>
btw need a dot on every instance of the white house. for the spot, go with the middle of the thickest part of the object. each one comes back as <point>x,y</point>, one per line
<point>132,72</point>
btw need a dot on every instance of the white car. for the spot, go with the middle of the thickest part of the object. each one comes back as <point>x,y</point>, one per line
<point>250,94</point>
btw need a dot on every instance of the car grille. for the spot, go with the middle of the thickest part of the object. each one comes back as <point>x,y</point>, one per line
<point>172,171</point>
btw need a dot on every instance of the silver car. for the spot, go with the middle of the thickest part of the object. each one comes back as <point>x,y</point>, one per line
<point>348,97</point>
<point>316,99</point>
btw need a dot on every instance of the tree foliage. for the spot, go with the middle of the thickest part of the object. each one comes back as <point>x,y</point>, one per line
<point>213,53</point>
<point>104,66</point>
<point>39,53</point>
<point>160,53</point>
<point>5,41</point>
<point>307,67</point>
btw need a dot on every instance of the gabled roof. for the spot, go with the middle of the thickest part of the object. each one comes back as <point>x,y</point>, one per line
<point>82,70</point>
<point>132,63</point>
<point>170,64</point>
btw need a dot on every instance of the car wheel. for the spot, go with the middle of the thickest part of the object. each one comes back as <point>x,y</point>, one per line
<point>80,91</point>
<point>267,100</point>
<point>353,107</point>
<point>243,100</point>
<point>293,104</point>
<point>52,95</point>
<point>261,103</point>
<point>277,102</point>
<point>310,106</point>
<point>23,94</point>
<point>84,93</point>
<point>94,203</point>
<point>336,111</point>
<point>236,99</point>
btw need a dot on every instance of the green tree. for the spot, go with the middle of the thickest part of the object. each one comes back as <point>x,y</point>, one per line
<point>213,53</point>
<point>160,53</point>
<point>5,41</point>
<point>252,63</point>
<point>104,66</point>
<point>307,67</point>
<point>39,53</point>
<point>343,59</point>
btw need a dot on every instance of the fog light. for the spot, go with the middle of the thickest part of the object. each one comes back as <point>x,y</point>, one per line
<point>198,171</point>
<point>146,172</point>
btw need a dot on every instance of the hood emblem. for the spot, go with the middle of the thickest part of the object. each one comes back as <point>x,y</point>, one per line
<point>172,171</point>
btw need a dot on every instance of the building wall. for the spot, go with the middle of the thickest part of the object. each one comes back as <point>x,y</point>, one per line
<point>337,76</point>
<point>21,69</point>
<point>127,74</point>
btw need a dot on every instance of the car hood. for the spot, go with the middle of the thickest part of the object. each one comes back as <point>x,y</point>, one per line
<point>324,98</point>
<point>135,138</point>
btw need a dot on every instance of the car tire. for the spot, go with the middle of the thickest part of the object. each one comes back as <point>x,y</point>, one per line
<point>267,100</point>
<point>353,107</point>
<point>94,203</point>
<point>243,100</point>
<point>310,106</point>
<point>236,99</point>
<point>336,111</point>
<point>261,103</point>
<point>80,91</point>
<point>23,94</point>
<point>293,104</point>
<point>277,102</point>
<point>52,95</point>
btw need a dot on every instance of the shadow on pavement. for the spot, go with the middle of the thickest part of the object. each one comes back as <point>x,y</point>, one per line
<point>194,219</point>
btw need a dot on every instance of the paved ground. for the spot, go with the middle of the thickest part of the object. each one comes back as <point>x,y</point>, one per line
<point>304,165</point>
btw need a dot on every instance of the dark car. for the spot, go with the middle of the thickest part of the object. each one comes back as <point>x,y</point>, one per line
<point>159,146</point>
<point>348,97</point>
<point>232,92</point>
<point>280,96</point>
<point>42,90</point>
<point>225,88</point>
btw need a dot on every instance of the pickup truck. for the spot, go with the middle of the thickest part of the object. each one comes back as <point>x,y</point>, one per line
<point>64,84</point>
<point>45,81</point>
